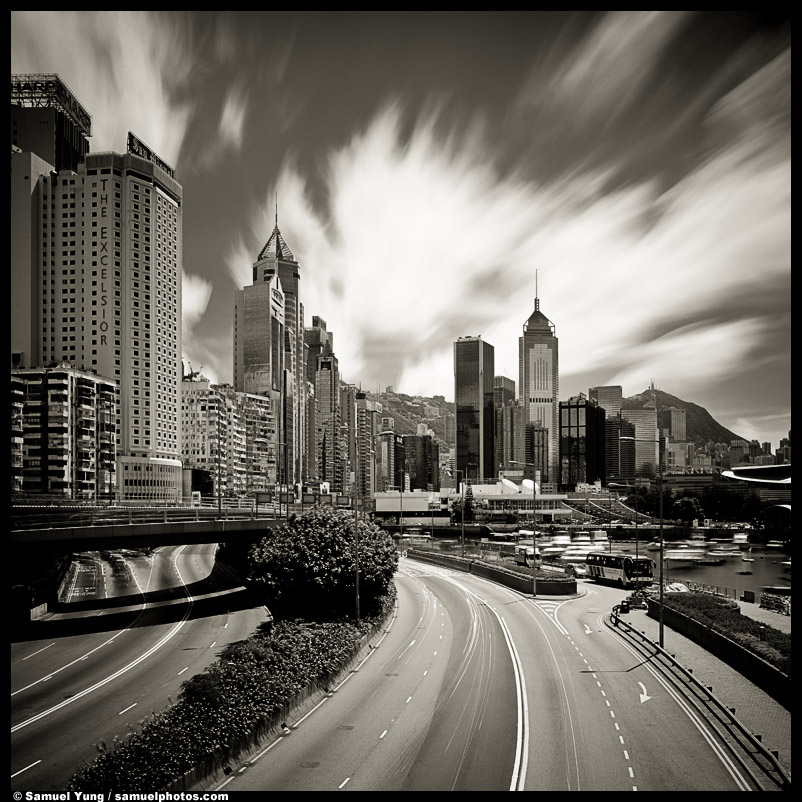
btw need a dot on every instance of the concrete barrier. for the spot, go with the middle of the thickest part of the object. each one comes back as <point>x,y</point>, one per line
<point>511,579</point>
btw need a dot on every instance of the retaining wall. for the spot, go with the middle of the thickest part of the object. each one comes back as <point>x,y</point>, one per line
<point>755,669</point>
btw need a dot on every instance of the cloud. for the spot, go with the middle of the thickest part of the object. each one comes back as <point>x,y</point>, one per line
<point>129,64</point>
<point>232,118</point>
<point>195,294</point>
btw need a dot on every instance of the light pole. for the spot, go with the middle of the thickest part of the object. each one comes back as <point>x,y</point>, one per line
<point>635,488</point>
<point>356,550</point>
<point>534,521</point>
<point>660,497</point>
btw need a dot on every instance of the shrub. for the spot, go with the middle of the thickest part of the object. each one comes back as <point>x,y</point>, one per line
<point>308,567</point>
<point>724,616</point>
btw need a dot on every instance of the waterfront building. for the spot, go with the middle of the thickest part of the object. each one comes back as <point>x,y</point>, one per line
<point>475,411</point>
<point>646,441</point>
<point>539,386</point>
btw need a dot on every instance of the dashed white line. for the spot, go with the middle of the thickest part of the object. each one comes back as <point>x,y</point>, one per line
<point>127,708</point>
<point>186,668</point>
<point>343,782</point>
<point>383,734</point>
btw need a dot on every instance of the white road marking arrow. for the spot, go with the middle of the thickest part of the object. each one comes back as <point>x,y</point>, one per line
<point>587,629</point>
<point>644,697</point>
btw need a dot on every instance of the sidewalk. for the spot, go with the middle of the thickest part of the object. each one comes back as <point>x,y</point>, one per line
<point>757,711</point>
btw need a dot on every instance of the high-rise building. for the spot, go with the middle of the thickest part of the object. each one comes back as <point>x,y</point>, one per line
<point>276,259</point>
<point>322,371</point>
<point>503,390</point>
<point>422,457</point>
<point>610,398</point>
<point>47,119</point>
<point>672,419</point>
<point>66,431</point>
<point>539,384</point>
<point>475,410</point>
<point>582,447</point>
<point>106,265</point>
<point>646,439</point>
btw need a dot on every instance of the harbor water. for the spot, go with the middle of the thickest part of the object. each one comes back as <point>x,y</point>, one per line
<point>766,566</point>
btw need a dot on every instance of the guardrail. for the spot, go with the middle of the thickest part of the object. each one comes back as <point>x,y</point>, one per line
<point>763,758</point>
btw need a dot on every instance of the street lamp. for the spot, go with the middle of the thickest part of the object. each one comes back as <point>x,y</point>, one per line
<point>635,488</point>
<point>534,521</point>
<point>660,496</point>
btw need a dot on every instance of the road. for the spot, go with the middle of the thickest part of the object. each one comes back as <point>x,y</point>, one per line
<point>133,628</point>
<point>476,687</point>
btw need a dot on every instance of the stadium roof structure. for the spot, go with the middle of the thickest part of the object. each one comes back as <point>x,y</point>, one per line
<point>761,474</point>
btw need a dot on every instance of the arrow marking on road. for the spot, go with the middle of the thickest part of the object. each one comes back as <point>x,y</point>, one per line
<point>644,697</point>
<point>587,629</point>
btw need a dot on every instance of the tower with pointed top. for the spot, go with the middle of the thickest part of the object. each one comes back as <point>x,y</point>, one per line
<point>538,390</point>
<point>275,296</point>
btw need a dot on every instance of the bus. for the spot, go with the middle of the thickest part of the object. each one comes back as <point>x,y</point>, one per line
<point>623,570</point>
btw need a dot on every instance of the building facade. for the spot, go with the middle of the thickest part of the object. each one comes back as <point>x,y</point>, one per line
<point>582,446</point>
<point>63,435</point>
<point>475,409</point>
<point>276,259</point>
<point>539,384</point>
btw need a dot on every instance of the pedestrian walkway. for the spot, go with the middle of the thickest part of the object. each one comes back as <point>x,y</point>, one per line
<point>754,708</point>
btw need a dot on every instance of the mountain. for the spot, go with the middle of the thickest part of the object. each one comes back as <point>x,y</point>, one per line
<point>700,425</point>
<point>408,411</point>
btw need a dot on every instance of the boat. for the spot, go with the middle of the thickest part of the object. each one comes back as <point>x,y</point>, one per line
<point>724,552</point>
<point>747,559</point>
<point>683,557</point>
<point>786,566</point>
<point>775,544</point>
<point>709,559</point>
<point>600,536</point>
<point>741,540</point>
<point>577,553</point>
<point>553,547</point>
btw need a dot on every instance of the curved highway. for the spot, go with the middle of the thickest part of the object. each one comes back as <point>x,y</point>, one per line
<point>135,628</point>
<point>477,687</point>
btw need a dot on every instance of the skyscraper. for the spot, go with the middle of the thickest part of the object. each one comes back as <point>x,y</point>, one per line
<point>475,409</point>
<point>276,259</point>
<point>539,384</point>
<point>610,399</point>
<point>581,442</point>
<point>107,267</point>
<point>323,373</point>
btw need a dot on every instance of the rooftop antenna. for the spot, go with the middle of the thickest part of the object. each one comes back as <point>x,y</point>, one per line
<point>277,209</point>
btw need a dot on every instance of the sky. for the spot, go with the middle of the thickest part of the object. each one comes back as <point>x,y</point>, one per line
<point>433,171</point>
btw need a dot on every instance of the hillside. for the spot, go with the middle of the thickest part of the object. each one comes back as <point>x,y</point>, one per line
<point>408,411</point>
<point>699,423</point>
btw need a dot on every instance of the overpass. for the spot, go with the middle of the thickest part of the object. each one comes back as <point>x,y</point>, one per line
<point>44,530</point>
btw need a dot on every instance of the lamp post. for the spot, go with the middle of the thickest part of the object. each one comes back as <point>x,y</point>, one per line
<point>534,521</point>
<point>662,544</point>
<point>635,488</point>
<point>356,550</point>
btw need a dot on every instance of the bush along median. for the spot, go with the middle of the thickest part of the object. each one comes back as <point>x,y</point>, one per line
<point>305,573</point>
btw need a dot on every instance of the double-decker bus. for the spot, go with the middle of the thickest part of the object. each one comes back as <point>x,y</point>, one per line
<point>623,570</point>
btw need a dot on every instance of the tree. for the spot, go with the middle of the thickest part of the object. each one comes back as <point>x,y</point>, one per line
<point>687,509</point>
<point>308,567</point>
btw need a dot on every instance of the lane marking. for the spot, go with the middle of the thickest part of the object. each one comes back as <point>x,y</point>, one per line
<point>25,769</point>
